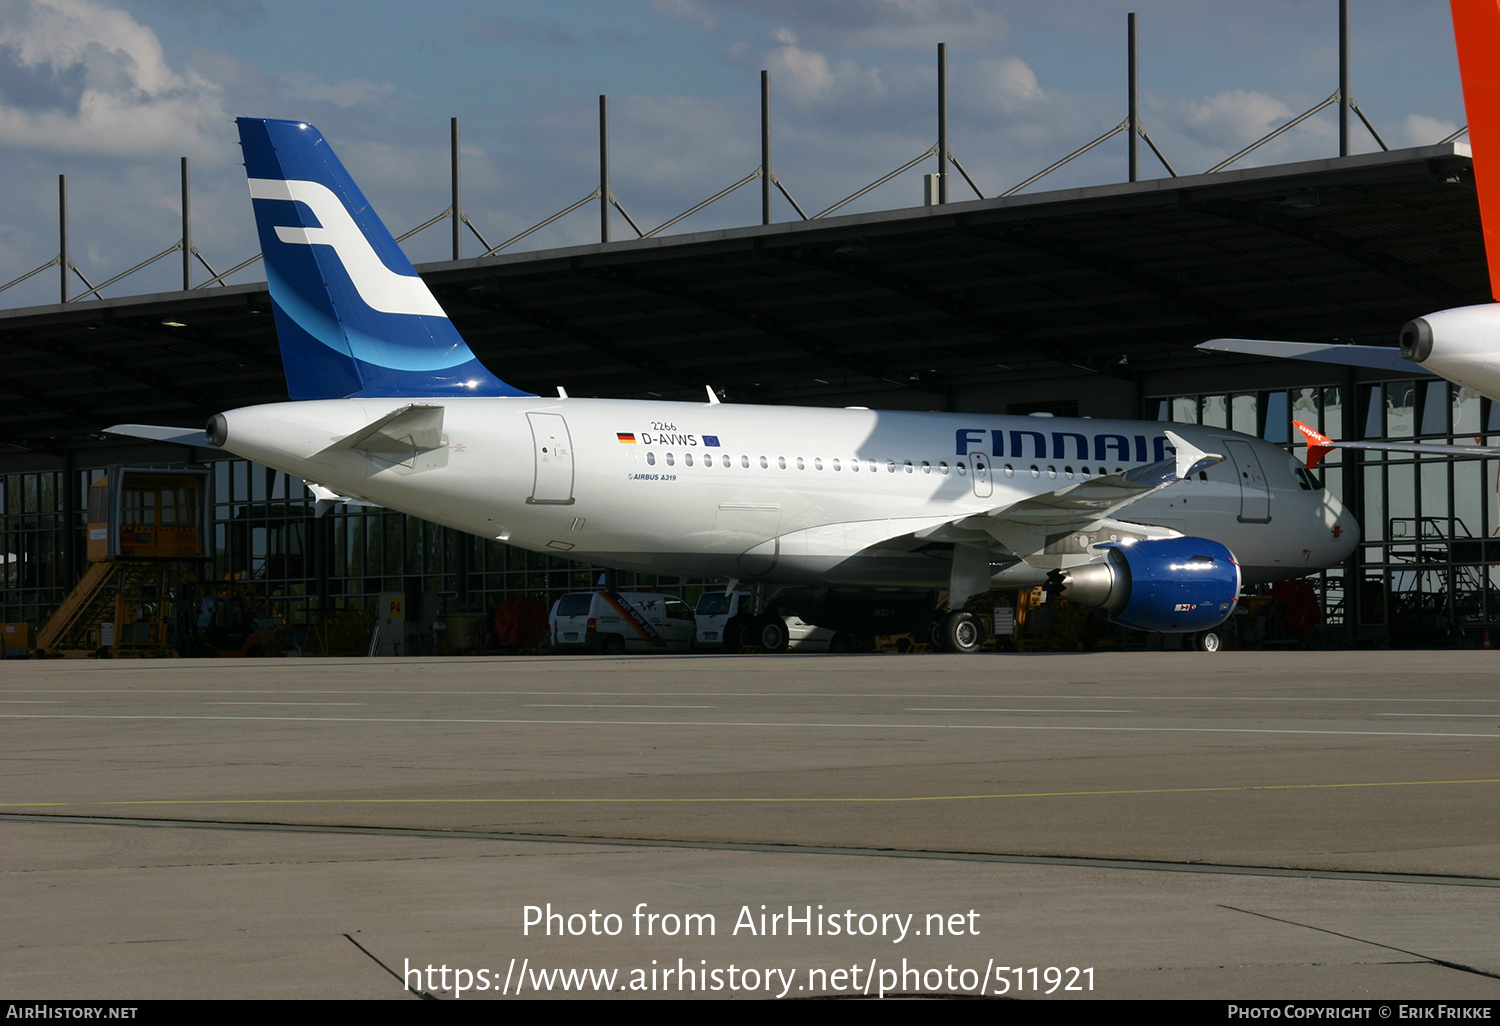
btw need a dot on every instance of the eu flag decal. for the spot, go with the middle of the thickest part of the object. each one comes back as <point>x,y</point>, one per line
<point>712,440</point>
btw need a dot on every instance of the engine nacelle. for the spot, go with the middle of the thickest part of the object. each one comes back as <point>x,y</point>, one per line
<point>1457,344</point>
<point>1156,584</point>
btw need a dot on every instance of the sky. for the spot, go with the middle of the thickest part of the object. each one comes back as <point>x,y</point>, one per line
<point>112,93</point>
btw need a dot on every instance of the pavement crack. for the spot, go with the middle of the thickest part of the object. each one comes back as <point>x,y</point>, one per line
<point>419,993</point>
<point>1445,963</point>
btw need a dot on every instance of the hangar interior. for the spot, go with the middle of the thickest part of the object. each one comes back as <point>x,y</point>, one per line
<point>1083,302</point>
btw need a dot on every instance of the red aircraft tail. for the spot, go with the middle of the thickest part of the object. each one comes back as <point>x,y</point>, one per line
<point>1476,30</point>
<point>1318,444</point>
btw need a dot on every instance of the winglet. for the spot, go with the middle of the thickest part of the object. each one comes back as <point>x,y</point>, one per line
<point>1476,29</point>
<point>1190,458</point>
<point>1318,444</point>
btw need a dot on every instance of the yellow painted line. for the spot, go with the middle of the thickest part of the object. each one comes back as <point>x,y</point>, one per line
<point>682,801</point>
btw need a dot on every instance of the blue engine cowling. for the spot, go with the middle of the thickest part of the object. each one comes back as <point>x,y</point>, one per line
<point>1156,584</point>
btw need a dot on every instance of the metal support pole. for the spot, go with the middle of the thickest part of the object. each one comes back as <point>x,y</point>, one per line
<point>187,229</point>
<point>942,123</point>
<point>765,147</point>
<point>72,520</point>
<point>62,233</point>
<point>1354,495</point>
<point>604,169</point>
<point>458,210</point>
<point>1135,120</point>
<point>1343,78</point>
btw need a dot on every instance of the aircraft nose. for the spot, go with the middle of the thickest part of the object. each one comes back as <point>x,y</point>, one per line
<point>1345,531</point>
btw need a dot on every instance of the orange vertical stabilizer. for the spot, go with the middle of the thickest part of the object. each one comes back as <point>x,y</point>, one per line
<point>1476,30</point>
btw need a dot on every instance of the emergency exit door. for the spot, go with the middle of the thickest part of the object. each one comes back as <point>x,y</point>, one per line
<point>553,484</point>
<point>1255,495</point>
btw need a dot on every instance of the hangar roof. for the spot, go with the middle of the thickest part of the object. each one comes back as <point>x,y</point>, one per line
<point>922,299</point>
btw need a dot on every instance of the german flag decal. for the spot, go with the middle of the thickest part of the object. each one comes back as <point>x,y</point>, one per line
<point>628,437</point>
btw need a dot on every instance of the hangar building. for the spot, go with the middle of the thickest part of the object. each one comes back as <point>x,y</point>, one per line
<point>1081,302</point>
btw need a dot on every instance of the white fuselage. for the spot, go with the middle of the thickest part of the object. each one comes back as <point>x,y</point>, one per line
<point>784,494</point>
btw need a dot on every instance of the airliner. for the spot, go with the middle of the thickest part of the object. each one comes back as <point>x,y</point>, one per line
<point>1461,344</point>
<point>851,518</point>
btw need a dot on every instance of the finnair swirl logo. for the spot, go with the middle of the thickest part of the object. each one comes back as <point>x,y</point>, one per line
<point>381,288</point>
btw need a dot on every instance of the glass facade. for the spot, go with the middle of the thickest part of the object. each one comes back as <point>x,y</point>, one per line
<point>307,568</point>
<point>1424,574</point>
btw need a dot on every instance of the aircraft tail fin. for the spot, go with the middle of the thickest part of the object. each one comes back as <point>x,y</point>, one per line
<point>352,316</point>
<point>1476,28</point>
<point>1318,444</point>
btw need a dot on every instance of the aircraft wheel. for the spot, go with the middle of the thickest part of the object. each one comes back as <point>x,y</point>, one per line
<point>614,645</point>
<point>1210,641</point>
<point>962,632</point>
<point>771,634</point>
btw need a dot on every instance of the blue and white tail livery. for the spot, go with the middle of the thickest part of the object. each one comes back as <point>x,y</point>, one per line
<point>353,317</point>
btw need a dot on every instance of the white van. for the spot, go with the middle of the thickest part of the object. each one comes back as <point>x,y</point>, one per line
<point>616,622</point>
<point>715,612</point>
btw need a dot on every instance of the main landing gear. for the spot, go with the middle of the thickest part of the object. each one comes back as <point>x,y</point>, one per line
<point>958,631</point>
<point>770,633</point>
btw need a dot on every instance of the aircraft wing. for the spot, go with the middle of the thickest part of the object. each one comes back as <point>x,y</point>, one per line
<point>1320,445</point>
<point>1386,358</point>
<point>151,432</point>
<point>1037,523</point>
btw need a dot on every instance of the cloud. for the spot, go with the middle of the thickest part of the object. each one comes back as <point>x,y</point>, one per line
<point>859,24</point>
<point>808,70</point>
<point>1224,123</point>
<point>690,11</point>
<point>347,94</point>
<point>1421,130</point>
<point>80,77</point>
<point>39,87</point>
<point>1234,118</point>
<point>497,29</point>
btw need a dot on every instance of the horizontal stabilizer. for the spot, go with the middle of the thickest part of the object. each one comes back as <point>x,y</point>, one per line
<point>413,428</point>
<point>151,432</point>
<point>327,498</point>
<point>1387,358</point>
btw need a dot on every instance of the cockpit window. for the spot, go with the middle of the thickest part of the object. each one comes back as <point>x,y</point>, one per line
<point>1307,481</point>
